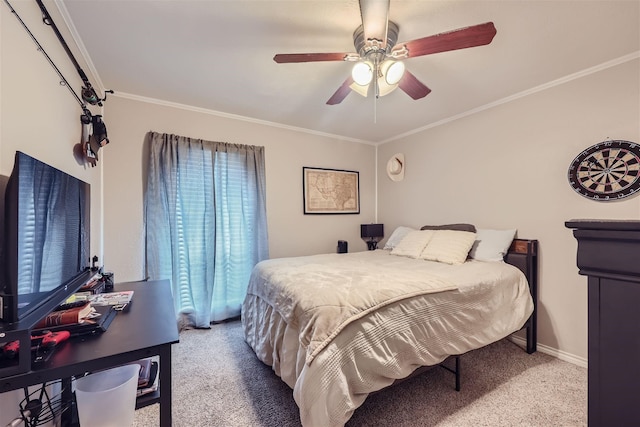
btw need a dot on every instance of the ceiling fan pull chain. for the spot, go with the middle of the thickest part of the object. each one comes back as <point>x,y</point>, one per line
<point>375,105</point>
<point>375,92</point>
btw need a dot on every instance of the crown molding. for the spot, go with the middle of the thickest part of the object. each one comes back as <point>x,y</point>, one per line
<point>524,93</point>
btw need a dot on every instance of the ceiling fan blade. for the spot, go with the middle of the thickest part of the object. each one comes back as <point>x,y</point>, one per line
<point>412,86</point>
<point>477,35</point>
<point>341,93</point>
<point>375,19</point>
<point>283,58</point>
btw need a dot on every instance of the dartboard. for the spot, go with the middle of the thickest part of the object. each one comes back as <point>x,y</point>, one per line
<point>609,170</point>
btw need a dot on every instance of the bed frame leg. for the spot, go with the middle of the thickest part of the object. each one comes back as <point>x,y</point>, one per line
<point>532,338</point>
<point>455,371</point>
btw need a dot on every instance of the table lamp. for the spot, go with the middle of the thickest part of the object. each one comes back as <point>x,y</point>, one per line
<point>372,232</point>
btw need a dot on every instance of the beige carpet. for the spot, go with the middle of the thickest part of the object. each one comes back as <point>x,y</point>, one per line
<point>217,381</point>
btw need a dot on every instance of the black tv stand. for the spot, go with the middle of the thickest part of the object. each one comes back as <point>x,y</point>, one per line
<point>148,329</point>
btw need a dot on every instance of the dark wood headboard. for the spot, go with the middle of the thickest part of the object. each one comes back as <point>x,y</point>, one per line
<point>523,254</point>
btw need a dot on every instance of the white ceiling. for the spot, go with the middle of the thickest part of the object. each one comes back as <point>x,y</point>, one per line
<point>218,55</point>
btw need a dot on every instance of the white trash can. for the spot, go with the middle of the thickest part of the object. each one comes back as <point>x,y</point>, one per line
<point>108,398</point>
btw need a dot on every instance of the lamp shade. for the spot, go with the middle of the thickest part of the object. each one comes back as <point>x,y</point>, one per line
<point>392,71</point>
<point>371,230</point>
<point>390,74</point>
<point>362,73</point>
<point>361,90</point>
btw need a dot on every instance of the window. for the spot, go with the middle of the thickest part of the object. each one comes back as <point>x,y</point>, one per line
<point>205,218</point>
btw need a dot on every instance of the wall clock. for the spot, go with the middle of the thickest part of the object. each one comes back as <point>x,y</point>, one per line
<point>609,170</point>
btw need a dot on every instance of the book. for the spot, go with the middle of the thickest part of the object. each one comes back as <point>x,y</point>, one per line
<point>68,316</point>
<point>145,372</point>
<point>152,386</point>
<point>97,321</point>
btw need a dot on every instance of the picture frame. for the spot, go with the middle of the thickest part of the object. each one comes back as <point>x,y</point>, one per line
<point>330,191</point>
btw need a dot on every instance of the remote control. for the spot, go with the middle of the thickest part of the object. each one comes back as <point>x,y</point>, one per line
<point>68,305</point>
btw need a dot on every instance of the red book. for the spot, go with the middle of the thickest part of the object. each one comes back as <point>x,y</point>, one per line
<point>65,317</point>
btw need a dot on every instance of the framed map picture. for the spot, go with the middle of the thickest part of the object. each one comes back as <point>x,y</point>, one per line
<point>330,191</point>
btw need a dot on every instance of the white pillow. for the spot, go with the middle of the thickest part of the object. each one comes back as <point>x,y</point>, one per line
<point>397,235</point>
<point>491,245</point>
<point>449,246</point>
<point>413,243</point>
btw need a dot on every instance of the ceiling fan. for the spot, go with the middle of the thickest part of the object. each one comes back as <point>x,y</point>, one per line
<point>378,59</point>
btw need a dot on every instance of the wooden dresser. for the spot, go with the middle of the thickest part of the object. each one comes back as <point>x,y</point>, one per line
<point>609,254</point>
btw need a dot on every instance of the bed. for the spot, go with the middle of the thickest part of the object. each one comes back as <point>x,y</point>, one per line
<point>337,327</point>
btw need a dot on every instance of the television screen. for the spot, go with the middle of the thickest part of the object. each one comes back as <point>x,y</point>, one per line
<point>47,236</point>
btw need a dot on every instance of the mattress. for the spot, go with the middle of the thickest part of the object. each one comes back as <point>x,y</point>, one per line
<point>487,302</point>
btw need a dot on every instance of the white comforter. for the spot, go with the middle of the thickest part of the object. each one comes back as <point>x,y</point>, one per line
<point>337,327</point>
<point>322,294</point>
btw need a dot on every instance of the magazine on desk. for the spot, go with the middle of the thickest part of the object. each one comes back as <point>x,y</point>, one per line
<point>118,300</point>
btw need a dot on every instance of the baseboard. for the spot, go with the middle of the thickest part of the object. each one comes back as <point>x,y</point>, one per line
<point>567,357</point>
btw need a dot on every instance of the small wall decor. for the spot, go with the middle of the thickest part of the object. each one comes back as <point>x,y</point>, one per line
<point>395,167</point>
<point>606,171</point>
<point>330,191</point>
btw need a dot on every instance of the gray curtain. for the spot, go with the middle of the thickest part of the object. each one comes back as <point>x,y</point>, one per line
<point>205,223</point>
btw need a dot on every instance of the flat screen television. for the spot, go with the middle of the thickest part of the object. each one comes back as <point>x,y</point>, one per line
<point>46,238</point>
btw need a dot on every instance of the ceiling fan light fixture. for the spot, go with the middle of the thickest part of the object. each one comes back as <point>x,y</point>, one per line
<point>362,73</point>
<point>393,71</point>
<point>379,68</point>
<point>383,88</point>
<point>360,90</point>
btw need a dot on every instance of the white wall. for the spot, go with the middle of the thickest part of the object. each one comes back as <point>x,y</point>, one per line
<point>291,232</point>
<point>506,167</point>
<point>39,116</point>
